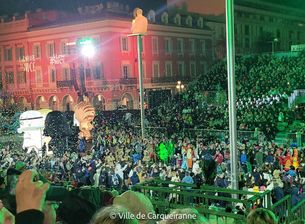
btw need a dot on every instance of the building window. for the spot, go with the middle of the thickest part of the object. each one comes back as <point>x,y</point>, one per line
<point>19,53</point>
<point>203,47</point>
<point>8,54</point>
<point>65,48</point>
<point>38,76</point>
<point>180,46</point>
<point>151,16</point>
<point>177,20</point>
<point>247,30</point>
<point>155,45</point>
<point>181,69</point>
<point>247,42</point>
<point>66,73</point>
<point>98,72</point>
<point>262,18</point>
<point>168,69</point>
<point>125,71</point>
<point>192,46</point>
<point>298,36</point>
<point>203,67</point>
<point>200,22</point>
<point>50,49</point>
<point>278,33</point>
<point>168,46</point>
<point>189,21</point>
<point>52,75</point>
<point>290,34</point>
<point>164,18</point>
<point>193,68</point>
<point>156,69</point>
<point>124,44</point>
<point>9,77</point>
<point>21,77</point>
<point>36,50</point>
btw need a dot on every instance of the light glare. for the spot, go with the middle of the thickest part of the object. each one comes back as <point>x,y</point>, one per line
<point>88,50</point>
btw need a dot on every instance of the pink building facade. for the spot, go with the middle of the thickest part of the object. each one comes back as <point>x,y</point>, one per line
<point>41,65</point>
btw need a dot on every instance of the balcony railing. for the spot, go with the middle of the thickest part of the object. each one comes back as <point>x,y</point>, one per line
<point>128,81</point>
<point>65,83</point>
<point>171,79</point>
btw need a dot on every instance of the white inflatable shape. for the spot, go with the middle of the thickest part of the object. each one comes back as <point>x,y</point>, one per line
<point>32,125</point>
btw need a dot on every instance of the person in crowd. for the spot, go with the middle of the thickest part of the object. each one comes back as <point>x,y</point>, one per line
<point>30,198</point>
<point>187,178</point>
<point>261,216</point>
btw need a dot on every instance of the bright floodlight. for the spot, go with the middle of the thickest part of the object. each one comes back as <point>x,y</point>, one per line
<point>88,50</point>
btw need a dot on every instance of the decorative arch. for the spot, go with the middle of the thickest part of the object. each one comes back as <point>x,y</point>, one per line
<point>53,103</point>
<point>189,21</point>
<point>22,102</point>
<point>177,19</point>
<point>127,100</point>
<point>164,18</point>
<point>151,16</point>
<point>99,102</point>
<point>67,103</point>
<point>39,102</point>
<point>200,22</point>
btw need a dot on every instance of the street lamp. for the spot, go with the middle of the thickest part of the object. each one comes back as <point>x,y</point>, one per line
<point>179,86</point>
<point>275,40</point>
<point>87,48</point>
<point>139,28</point>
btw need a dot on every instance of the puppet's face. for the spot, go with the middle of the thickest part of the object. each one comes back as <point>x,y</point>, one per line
<point>84,113</point>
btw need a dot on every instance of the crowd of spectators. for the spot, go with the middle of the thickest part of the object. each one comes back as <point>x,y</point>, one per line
<point>119,158</point>
<point>263,85</point>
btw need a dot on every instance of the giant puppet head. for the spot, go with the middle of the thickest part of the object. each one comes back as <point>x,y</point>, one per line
<point>31,125</point>
<point>57,127</point>
<point>84,114</point>
<point>139,23</point>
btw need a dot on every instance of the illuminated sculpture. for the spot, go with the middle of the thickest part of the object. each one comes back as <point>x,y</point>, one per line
<point>84,114</point>
<point>32,125</point>
<point>139,23</point>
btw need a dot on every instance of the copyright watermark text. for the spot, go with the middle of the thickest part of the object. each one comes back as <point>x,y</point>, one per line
<point>151,216</point>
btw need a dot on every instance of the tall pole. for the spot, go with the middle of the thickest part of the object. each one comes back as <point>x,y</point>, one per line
<point>231,91</point>
<point>140,69</point>
<point>272,47</point>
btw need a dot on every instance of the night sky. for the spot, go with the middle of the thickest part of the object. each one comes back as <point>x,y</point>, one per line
<point>9,7</point>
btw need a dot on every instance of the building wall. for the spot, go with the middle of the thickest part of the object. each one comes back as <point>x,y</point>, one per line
<point>113,89</point>
<point>261,26</point>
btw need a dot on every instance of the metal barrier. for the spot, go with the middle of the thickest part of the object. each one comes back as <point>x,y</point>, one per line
<point>298,211</point>
<point>208,200</point>
<point>282,209</point>
<point>220,134</point>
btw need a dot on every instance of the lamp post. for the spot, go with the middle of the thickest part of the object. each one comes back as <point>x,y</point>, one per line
<point>179,86</point>
<point>275,40</point>
<point>231,92</point>
<point>139,29</point>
